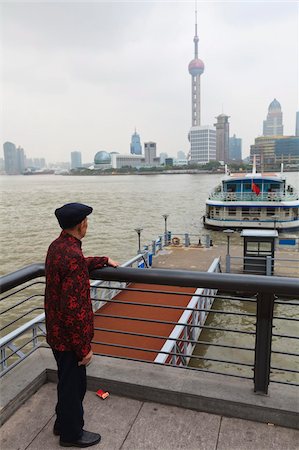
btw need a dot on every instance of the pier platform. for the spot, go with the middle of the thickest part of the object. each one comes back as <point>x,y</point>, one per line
<point>199,258</point>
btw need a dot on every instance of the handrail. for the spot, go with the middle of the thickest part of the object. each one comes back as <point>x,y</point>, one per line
<point>21,276</point>
<point>225,281</point>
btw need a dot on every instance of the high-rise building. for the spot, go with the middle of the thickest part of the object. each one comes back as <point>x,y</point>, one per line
<point>135,146</point>
<point>222,138</point>
<point>196,68</point>
<point>271,151</point>
<point>273,126</point>
<point>150,149</point>
<point>297,123</point>
<point>203,144</point>
<point>76,160</point>
<point>14,159</point>
<point>235,148</point>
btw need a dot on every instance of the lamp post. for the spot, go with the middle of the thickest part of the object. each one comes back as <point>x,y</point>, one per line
<point>165,230</point>
<point>228,233</point>
<point>138,231</point>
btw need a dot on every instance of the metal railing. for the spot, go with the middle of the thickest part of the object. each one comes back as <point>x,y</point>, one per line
<point>259,265</point>
<point>249,196</point>
<point>260,293</point>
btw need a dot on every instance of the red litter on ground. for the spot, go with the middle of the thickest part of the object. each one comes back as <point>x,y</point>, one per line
<point>102,394</point>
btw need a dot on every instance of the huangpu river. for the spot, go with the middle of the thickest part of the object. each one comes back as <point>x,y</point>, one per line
<point>121,204</point>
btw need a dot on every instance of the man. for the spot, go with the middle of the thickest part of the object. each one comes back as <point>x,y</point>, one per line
<point>69,321</point>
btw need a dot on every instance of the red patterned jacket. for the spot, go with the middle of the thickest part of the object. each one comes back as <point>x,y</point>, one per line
<point>69,316</point>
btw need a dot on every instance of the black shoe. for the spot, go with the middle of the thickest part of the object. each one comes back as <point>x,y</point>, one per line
<point>56,432</point>
<point>86,440</point>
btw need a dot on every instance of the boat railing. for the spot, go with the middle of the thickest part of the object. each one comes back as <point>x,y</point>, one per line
<point>250,196</point>
<point>261,358</point>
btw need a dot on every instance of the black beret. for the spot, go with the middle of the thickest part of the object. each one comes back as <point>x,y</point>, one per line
<point>71,214</point>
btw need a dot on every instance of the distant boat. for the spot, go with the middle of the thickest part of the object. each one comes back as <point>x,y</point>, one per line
<point>253,200</point>
<point>39,172</point>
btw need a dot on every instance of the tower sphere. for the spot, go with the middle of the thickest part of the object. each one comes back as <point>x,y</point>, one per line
<point>196,67</point>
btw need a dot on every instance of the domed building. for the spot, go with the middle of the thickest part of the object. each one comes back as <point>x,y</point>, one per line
<point>102,160</point>
<point>273,126</point>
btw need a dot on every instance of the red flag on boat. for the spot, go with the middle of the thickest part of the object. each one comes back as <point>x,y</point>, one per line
<point>255,188</point>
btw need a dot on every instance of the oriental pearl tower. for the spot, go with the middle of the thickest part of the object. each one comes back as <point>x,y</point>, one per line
<point>196,68</point>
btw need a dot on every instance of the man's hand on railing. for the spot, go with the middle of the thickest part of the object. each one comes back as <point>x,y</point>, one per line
<point>86,360</point>
<point>112,263</point>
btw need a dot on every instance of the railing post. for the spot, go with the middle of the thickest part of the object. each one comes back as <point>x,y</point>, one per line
<point>154,247</point>
<point>227,264</point>
<point>268,265</point>
<point>263,342</point>
<point>34,336</point>
<point>3,358</point>
<point>187,241</point>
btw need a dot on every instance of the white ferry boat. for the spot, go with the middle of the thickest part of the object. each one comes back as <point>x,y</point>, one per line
<point>253,200</point>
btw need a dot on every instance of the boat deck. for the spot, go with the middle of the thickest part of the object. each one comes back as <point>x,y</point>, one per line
<point>126,423</point>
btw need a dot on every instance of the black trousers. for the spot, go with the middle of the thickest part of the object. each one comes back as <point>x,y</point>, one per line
<point>71,390</point>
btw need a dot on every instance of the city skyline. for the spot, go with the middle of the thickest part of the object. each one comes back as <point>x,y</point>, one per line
<point>109,67</point>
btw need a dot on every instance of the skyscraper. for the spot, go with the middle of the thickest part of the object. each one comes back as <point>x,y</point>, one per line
<point>203,144</point>
<point>150,149</point>
<point>273,126</point>
<point>196,68</point>
<point>222,138</point>
<point>135,146</point>
<point>235,148</point>
<point>14,159</point>
<point>76,160</point>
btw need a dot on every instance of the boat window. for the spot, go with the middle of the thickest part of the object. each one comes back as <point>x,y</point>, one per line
<point>247,186</point>
<point>231,211</point>
<point>216,211</point>
<point>287,211</point>
<point>270,211</point>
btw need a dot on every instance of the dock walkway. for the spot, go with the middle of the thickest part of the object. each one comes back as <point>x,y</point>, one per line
<point>129,424</point>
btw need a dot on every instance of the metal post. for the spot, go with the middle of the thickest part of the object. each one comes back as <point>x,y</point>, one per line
<point>187,242</point>
<point>138,231</point>
<point>153,247</point>
<point>165,228</point>
<point>268,265</point>
<point>228,235</point>
<point>227,264</point>
<point>263,342</point>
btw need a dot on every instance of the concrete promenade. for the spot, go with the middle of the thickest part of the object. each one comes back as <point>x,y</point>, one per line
<point>130,424</point>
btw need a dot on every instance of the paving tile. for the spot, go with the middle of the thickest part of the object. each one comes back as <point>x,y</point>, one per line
<point>238,434</point>
<point>29,419</point>
<point>169,427</point>
<point>112,418</point>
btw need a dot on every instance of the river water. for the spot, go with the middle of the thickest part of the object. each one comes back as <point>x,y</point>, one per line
<point>121,204</point>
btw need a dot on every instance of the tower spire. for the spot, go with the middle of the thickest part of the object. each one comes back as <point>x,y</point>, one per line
<point>195,40</point>
<point>196,68</point>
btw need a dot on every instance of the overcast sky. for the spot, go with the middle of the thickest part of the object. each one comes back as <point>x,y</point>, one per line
<point>82,75</point>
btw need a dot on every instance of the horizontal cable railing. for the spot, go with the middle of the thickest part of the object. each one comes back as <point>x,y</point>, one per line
<point>213,313</point>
